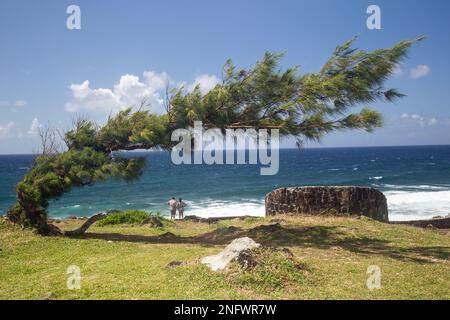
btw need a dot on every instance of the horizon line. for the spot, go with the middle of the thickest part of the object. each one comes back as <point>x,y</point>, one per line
<point>289,148</point>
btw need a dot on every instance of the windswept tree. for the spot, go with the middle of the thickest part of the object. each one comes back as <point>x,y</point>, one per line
<point>306,107</point>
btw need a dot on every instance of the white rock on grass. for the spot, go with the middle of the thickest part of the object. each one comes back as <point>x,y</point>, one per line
<point>231,252</point>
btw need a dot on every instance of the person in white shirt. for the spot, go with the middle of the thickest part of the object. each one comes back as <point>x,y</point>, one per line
<point>172,207</point>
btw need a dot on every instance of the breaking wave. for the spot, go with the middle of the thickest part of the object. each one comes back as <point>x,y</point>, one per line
<point>404,205</point>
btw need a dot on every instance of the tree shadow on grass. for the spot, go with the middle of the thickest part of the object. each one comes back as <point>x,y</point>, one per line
<point>321,237</point>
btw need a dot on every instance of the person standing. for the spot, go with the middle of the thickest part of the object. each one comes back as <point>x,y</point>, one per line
<point>172,207</point>
<point>180,205</point>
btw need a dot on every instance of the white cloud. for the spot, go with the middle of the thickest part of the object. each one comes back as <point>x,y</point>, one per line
<point>20,103</point>
<point>34,128</point>
<point>206,83</point>
<point>17,103</point>
<point>129,91</point>
<point>420,71</point>
<point>421,120</point>
<point>5,129</point>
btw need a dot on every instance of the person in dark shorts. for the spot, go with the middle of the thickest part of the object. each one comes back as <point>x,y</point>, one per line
<point>180,206</point>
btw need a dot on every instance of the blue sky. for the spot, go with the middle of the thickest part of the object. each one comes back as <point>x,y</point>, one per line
<point>127,49</point>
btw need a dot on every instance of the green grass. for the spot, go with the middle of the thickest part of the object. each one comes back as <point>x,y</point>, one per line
<point>331,257</point>
<point>273,271</point>
<point>128,217</point>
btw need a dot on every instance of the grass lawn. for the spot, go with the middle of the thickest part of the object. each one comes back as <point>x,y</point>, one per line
<point>129,262</point>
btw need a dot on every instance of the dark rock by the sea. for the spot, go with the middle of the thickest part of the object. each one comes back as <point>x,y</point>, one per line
<point>361,201</point>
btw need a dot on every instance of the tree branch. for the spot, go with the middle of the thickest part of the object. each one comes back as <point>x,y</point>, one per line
<point>133,146</point>
<point>83,228</point>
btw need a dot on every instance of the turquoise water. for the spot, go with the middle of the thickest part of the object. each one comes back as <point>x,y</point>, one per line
<point>416,181</point>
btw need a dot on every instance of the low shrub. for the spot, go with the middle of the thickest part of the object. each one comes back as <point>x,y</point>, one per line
<point>127,217</point>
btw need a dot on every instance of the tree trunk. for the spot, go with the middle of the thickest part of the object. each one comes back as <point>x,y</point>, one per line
<point>83,228</point>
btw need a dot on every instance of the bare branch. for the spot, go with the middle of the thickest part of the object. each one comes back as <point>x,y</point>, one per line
<point>79,120</point>
<point>50,144</point>
<point>167,98</point>
<point>144,103</point>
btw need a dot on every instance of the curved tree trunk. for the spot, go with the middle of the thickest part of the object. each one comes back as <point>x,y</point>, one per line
<point>83,228</point>
<point>51,230</point>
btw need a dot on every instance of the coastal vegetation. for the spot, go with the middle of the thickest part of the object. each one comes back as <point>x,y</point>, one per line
<point>306,107</point>
<point>129,217</point>
<point>331,259</point>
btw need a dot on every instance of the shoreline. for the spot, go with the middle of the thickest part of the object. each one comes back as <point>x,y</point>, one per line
<point>403,205</point>
<point>437,222</point>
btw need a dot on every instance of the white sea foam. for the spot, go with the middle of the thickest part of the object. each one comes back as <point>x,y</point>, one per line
<point>404,205</point>
<point>210,208</point>
<point>376,178</point>
<point>415,187</point>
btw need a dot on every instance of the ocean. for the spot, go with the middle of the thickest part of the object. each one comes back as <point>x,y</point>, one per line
<point>415,180</point>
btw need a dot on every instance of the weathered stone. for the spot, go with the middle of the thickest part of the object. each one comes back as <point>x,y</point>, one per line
<point>247,259</point>
<point>363,201</point>
<point>231,252</point>
<point>154,222</point>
